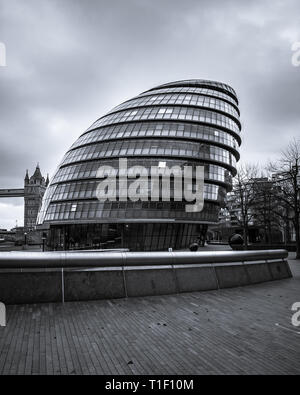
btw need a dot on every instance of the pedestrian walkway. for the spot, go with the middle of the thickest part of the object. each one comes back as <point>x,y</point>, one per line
<point>233,331</point>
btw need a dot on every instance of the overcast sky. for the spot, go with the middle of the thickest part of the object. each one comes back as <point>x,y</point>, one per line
<point>70,61</point>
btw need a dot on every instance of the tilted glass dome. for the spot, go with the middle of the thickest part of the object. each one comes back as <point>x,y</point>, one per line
<point>191,123</point>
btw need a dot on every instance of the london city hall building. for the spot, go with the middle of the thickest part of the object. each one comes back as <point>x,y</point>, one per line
<point>182,123</point>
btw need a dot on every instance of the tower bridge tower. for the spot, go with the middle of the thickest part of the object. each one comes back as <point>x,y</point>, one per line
<point>33,192</point>
<point>34,189</point>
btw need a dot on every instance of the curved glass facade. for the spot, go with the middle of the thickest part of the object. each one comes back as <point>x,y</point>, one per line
<point>183,123</point>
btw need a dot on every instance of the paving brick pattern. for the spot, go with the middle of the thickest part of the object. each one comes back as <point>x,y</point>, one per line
<point>230,331</point>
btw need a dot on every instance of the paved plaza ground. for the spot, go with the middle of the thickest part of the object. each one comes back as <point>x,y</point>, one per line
<point>244,330</point>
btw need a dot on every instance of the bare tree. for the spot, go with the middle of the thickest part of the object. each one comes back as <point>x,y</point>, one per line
<point>263,209</point>
<point>287,186</point>
<point>243,198</point>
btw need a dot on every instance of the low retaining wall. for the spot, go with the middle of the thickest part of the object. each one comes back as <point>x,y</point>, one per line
<point>36,277</point>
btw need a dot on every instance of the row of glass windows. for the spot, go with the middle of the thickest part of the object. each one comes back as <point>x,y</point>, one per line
<point>89,169</point>
<point>136,237</point>
<point>152,129</point>
<point>127,210</point>
<point>108,205</point>
<point>183,99</point>
<point>154,147</point>
<point>45,204</point>
<point>153,237</point>
<point>198,91</point>
<point>200,83</point>
<point>172,113</point>
<point>87,190</point>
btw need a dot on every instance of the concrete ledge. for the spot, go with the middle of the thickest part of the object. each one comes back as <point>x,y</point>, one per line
<point>30,287</point>
<point>280,270</point>
<point>258,272</point>
<point>232,275</point>
<point>93,284</point>
<point>119,275</point>
<point>191,278</point>
<point>146,281</point>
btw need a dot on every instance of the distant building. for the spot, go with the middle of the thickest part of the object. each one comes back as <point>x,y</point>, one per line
<point>6,235</point>
<point>34,189</point>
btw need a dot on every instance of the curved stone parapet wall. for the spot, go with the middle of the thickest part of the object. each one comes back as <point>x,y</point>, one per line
<point>58,277</point>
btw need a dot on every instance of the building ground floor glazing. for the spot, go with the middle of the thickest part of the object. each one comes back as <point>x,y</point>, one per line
<point>134,236</point>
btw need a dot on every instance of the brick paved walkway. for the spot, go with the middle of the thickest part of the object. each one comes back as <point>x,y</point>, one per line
<point>227,331</point>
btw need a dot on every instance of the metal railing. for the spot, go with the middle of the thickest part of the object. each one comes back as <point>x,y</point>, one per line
<point>44,260</point>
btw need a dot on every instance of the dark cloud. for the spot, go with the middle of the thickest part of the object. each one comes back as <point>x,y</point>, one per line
<point>70,61</point>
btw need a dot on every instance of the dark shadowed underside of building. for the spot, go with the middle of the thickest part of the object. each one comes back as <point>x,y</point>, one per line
<point>191,123</point>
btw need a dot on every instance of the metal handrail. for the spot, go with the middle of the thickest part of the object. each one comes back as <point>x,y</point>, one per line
<point>44,260</point>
